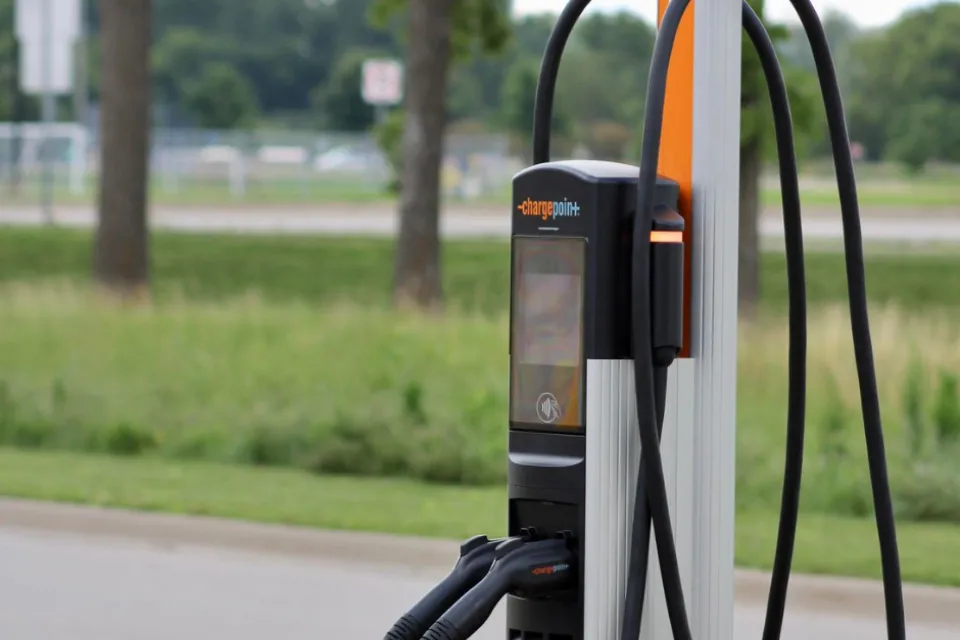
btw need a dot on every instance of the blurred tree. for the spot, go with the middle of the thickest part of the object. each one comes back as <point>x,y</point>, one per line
<point>797,57</point>
<point>756,143</point>
<point>8,61</point>
<point>438,32</point>
<point>121,261</point>
<point>925,130</point>
<point>221,97</point>
<point>177,58</point>
<point>906,97</point>
<point>517,100</point>
<point>14,104</point>
<point>389,136</point>
<point>608,140</point>
<point>10,96</point>
<point>842,33</point>
<point>623,43</point>
<point>339,100</point>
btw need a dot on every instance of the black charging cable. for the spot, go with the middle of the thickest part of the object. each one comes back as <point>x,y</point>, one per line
<point>547,81</point>
<point>796,402</point>
<point>859,318</point>
<point>797,321</point>
<point>640,539</point>
<point>476,557</point>
<point>797,313</point>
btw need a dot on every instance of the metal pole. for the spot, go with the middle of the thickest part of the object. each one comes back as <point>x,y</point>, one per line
<point>700,147</point>
<point>80,100</point>
<point>17,112</point>
<point>49,109</point>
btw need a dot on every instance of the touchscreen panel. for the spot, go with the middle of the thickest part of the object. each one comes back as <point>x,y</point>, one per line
<point>547,331</point>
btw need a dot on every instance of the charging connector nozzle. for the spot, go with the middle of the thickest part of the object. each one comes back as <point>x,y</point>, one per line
<point>526,569</point>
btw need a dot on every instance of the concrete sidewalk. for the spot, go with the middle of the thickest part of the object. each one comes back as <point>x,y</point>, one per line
<point>861,598</point>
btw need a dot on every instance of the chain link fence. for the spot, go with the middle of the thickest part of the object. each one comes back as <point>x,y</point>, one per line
<point>195,167</point>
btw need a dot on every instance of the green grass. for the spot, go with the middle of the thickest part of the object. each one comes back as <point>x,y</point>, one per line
<point>323,270</point>
<point>283,352</point>
<point>217,193</point>
<point>825,545</point>
<point>875,192</point>
<point>364,390</point>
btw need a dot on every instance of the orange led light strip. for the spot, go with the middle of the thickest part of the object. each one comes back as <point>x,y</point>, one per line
<point>666,237</point>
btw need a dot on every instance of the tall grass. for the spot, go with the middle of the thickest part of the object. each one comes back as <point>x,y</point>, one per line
<point>362,390</point>
<point>916,358</point>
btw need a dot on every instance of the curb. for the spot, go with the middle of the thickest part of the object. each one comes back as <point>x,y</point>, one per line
<point>863,598</point>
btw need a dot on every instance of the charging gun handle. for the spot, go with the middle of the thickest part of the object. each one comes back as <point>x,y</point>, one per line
<point>526,569</point>
<point>472,610</point>
<point>476,556</point>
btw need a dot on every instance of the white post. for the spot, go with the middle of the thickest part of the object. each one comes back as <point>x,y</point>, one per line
<point>78,160</point>
<point>699,432</point>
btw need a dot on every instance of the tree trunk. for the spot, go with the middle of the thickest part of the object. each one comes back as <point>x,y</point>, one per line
<point>751,168</point>
<point>417,268</point>
<point>121,261</point>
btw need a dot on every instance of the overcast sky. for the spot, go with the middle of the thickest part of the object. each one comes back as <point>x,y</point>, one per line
<point>864,12</point>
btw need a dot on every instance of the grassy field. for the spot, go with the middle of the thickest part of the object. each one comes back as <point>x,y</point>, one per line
<point>362,390</point>
<point>283,352</point>
<point>323,270</point>
<point>825,544</point>
<point>886,191</point>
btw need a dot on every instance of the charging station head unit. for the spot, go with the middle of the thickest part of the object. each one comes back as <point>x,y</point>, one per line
<point>572,236</point>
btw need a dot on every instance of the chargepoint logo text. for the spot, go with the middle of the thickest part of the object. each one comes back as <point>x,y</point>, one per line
<point>549,569</point>
<point>549,209</point>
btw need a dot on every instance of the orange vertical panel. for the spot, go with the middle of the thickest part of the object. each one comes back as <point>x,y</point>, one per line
<point>676,146</point>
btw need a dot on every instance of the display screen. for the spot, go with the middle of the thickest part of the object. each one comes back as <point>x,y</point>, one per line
<point>547,331</point>
<point>550,309</point>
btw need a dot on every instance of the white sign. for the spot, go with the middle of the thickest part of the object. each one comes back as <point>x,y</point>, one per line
<point>382,82</point>
<point>48,32</point>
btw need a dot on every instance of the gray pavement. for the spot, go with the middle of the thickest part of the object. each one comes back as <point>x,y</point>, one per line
<point>88,574</point>
<point>456,222</point>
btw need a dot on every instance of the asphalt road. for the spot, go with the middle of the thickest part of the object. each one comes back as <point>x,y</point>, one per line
<point>475,222</point>
<point>61,586</point>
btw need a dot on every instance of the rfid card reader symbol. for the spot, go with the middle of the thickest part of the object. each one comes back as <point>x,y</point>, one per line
<point>548,409</point>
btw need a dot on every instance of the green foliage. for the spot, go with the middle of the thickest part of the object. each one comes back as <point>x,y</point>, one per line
<point>589,106</point>
<point>930,489</point>
<point>913,411</point>
<point>389,137</point>
<point>477,276</point>
<point>904,104</point>
<point>923,131</point>
<point>330,388</point>
<point>298,57</point>
<point>833,424</point>
<point>247,356</point>
<point>13,102</point>
<point>479,26</point>
<point>8,67</point>
<point>339,100</point>
<point>946,413</point>
<point>756,115</point>
<point>220,97</point>
<point>518,98</point>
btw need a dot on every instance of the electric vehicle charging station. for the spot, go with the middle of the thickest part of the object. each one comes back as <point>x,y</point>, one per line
<point>573,448</point>
<point>623,327</point>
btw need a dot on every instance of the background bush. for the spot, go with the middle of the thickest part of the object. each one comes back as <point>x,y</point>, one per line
<point>249,356</point>
<point>361,390</point>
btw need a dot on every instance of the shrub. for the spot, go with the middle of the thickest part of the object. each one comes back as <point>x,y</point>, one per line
<point>363,390</point>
